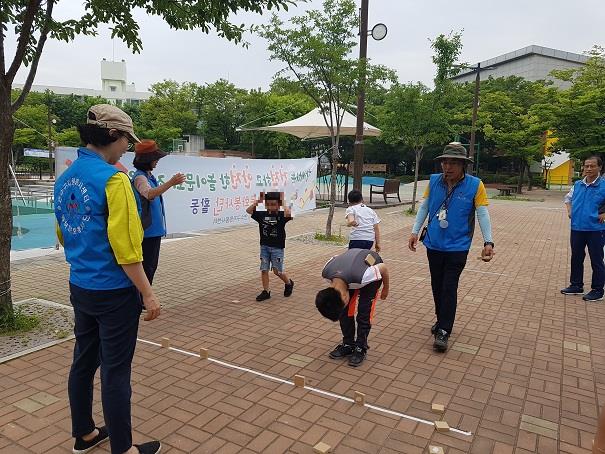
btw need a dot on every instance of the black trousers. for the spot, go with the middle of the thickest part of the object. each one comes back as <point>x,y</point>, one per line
<point>364,299</point>
<point>446,268</point>
<point>151,255</point>
<point>594,241</point>
<point>106,325</point>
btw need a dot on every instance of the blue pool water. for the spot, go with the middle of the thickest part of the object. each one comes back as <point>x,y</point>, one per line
<point>366,180</point>
<point>33,227</point>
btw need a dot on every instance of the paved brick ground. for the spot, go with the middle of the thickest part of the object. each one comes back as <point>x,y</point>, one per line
<point>524,373</point>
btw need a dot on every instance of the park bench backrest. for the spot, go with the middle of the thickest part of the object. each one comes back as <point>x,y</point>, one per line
<point>391,186</point>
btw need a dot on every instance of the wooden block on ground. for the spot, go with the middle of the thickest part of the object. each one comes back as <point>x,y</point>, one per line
<point>165,342</point>
<point>360,398</point>
<point>299,381</point>
<point>322,448</point>
<point>436,450</point>
<point>438,408</point>
<point>203,353</point>
<point>442,426</point>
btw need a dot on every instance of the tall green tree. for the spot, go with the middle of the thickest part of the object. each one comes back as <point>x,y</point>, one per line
<point>316,49</point>
<point>169,113</point>
<point>580,124</point>
<point>447,50</point>
<point>32,126</point>
<point>417,117</point>
<point>34,21</point>
<point>269,108</point>
<point>413,116</point>
<point>515,114</point>
<point>221,112</point>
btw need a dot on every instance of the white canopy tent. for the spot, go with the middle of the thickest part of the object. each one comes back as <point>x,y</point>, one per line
<point>312,126</point>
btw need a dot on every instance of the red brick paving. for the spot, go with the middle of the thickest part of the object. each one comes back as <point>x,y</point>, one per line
<point>510,310</point>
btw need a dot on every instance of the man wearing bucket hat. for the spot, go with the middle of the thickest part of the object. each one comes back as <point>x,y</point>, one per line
<point>99,227</point>
<point>150,201</point>
<point>451,201</point>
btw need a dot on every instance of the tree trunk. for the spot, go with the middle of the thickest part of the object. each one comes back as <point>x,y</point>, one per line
<point>418,155</point>
<point>521,176</point>
<point>333,186</point>
<point>7,131</point>
<point>529,179</point>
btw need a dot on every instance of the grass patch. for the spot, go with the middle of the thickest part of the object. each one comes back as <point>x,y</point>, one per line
<point>62,333</point>
<point>334,239</point>
<point>410,212</point>
<point>322,204</point>
<point>17,322</point>
<point>515,199</point>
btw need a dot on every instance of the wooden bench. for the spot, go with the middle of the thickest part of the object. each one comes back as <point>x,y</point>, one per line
<point>389,187</point>
<point>507,190</point>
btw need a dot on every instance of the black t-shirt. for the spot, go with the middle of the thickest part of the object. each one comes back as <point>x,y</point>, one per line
<point>271,227</point>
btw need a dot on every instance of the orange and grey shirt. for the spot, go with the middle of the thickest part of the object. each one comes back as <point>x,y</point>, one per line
<point>351,267</point>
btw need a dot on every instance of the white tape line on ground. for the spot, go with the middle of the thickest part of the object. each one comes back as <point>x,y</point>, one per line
<point>309,388</point>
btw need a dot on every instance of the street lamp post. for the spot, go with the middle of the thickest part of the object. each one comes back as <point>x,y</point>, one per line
<point>51,121</point>
<point>51,145</point>
<point>378,32</point>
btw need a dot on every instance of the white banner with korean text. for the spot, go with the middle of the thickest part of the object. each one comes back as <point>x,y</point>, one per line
<point>218,190</point>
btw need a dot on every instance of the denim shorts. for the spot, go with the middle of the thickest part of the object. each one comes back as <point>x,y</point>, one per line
<point>271,258</point>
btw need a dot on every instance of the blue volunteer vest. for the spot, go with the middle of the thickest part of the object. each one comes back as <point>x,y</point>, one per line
<point>585,203</point>
<point>157,227</point>
<point>81,212</point>
<point>457,236</point>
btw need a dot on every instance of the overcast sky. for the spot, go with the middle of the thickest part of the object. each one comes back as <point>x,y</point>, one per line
<point>491,28</point>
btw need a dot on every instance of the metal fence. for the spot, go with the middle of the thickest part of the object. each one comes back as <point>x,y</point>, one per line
<point>30,171</point>
<point>324,179</point>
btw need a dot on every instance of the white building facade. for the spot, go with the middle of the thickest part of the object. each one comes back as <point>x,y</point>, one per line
<point>114,86</point>
<point>532,63</point>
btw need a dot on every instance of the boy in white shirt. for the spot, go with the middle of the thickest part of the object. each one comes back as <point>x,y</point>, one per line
<point>365,223</point>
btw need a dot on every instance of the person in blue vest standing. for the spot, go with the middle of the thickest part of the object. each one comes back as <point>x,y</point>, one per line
<point>451,201</point>
<point>99,226</point>
<point>583,201</point>
<point>151,203</point>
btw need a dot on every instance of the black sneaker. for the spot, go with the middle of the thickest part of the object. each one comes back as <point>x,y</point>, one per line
<point>151,447</point>
<point>288,288</point>
<point>434,328</point>
<point>82,447</point>
<point>264,295</point>
<point>341,351</point>
<point>593,295</point>
<point>357,357</point>
<point>441,337</point>
<point>572,290</point>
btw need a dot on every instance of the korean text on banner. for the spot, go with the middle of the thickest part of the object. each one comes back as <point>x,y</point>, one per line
<point>217,191</point>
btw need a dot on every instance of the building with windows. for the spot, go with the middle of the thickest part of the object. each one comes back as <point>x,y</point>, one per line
<point>114,86</point>
<point>532,63</point>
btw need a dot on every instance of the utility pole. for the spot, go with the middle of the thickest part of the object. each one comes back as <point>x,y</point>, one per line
<point>471,150</point>
<point>361,96</point>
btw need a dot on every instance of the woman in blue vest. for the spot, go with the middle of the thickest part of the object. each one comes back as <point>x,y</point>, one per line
<point>451,201</point>
<point>149,197</point>
<point>99,227</point>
